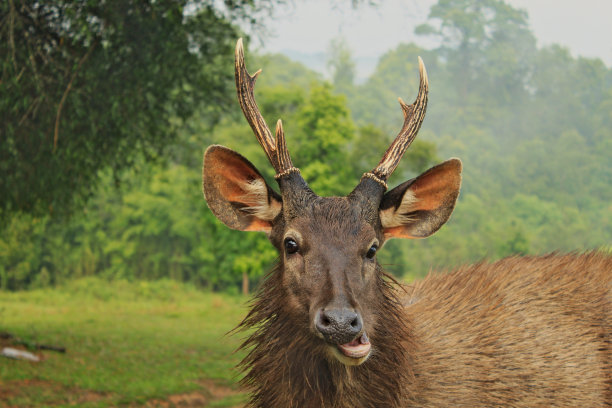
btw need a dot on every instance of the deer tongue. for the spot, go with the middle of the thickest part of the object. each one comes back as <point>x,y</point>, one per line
<point>358,348</point>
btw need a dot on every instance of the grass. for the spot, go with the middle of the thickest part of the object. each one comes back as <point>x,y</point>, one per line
<point>129,344</point>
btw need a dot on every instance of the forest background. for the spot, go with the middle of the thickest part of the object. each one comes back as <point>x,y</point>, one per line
<point>107,109</point>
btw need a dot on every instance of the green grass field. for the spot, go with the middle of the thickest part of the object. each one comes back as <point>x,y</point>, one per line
<point>128,344</point>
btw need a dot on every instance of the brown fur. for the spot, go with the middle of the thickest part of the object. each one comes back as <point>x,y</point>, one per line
<point>522,332</point>
<point>288,367</point>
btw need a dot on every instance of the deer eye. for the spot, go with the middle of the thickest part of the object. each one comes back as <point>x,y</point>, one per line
<point>291,246</point>
<point>371,252</point>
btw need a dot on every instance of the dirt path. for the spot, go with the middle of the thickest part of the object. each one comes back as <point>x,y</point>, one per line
<point>211,392</point>
<point>20,393</point>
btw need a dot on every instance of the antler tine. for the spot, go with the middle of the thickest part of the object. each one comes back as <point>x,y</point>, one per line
<point>283,158</point>
<point>413,117</point>
<point>245,84</point>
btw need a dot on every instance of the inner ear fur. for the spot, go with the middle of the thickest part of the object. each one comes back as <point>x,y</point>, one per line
<point>236,192</point>
<point>419,207</point>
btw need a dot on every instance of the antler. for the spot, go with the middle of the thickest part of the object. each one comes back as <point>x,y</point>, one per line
<point>413,117</point>
<point>276,150</point>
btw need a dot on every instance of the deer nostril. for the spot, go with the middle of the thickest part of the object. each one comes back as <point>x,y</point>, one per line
<point>338,326</point>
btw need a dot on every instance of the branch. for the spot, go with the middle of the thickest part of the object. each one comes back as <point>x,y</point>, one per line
<point>31,345</point>
<point>12,32</point>
<point>61,104</point>
<point>30,109</point>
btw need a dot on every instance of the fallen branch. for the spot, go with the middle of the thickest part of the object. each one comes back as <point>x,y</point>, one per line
<point>19,354</point>
<point>31,345</point>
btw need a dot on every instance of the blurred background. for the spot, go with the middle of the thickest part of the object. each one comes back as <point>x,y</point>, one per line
<point>106,244</point>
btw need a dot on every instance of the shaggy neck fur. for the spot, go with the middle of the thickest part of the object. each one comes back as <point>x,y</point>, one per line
<point>287,366</point>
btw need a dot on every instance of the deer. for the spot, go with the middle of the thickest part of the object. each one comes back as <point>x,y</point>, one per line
<point>329,328</point>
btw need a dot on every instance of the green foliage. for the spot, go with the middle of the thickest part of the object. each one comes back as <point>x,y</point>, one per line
<point>341,65</point>
<point>279,71</point>
<point>486,44</point>
<point>532,126</point>
<point>325,129</point>
<point>157,227</point>
<point>21,251</point>
<point>89,85</point>
<point>396,74</point>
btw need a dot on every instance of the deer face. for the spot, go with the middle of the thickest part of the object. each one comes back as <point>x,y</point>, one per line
<point>329,274</point>
<point>328,245</point>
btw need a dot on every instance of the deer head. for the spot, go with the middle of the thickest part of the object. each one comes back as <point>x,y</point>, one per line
<point>328,245</point>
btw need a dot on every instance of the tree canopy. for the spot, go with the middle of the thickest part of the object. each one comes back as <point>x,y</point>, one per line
<point>533,127</point>
<point>89,85</point>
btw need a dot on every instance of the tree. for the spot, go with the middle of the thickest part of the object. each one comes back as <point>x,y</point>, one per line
<point>485,42</point>
<point>341,66</point>
<point>89,85</point>
<point>324,131</point>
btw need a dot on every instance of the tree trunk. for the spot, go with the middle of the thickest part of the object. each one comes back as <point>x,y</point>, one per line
<point>245,283</point>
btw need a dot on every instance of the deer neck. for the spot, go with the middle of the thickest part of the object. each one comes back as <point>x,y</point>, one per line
<point>287,366</point>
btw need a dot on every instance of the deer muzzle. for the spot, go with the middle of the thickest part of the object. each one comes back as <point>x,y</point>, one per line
<point>343,329</point>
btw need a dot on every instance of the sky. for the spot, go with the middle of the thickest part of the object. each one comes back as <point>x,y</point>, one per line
<point>308,26</point>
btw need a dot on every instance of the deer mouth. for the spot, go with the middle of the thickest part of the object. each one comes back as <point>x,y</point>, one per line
<point>357,349</point>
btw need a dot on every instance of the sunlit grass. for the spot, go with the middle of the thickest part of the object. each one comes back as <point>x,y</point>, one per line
<point>128,343</point>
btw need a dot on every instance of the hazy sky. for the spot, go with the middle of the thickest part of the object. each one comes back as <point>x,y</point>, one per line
<point>584,26</point>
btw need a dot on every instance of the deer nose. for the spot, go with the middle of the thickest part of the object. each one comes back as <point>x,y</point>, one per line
<point>338,326</point>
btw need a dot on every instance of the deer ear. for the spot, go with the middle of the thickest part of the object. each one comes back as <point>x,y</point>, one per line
<point>419,207</point>
<point>236,192</point>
